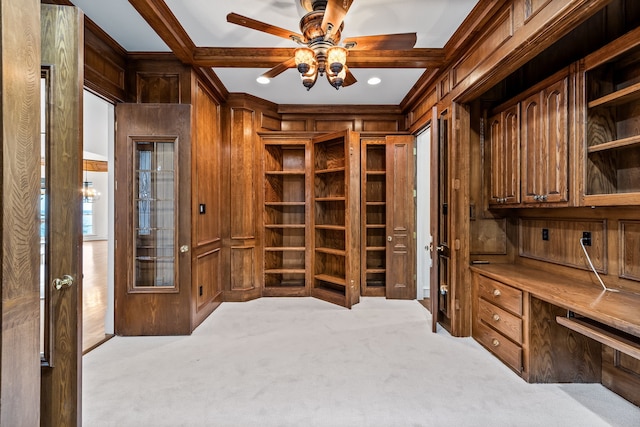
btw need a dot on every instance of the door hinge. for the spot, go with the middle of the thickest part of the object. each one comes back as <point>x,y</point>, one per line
<point>415,193</point>
<point>415,151</point>
<point>414,235</point>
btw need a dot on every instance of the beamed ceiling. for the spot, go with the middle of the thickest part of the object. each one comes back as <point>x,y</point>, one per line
<point>198,33</point>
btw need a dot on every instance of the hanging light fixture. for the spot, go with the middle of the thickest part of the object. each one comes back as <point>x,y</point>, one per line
<point>321,53</point>
<point>89,193</point>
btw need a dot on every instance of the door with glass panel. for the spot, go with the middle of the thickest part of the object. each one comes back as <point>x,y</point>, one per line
<point>153,219</point>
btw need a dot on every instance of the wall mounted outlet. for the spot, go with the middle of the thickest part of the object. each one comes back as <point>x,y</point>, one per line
<point>586,238</point>
<point>545,234</point>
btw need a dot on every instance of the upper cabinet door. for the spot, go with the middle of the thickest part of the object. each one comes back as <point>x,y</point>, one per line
<point>400,216</point>
<point>336,218</point>
<point>504,140</point>
<point>153,219</point>
<point>545,145</point>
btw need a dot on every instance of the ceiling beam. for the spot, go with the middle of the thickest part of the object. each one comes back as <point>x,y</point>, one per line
<point>166,25</point>
<point>270,57</point>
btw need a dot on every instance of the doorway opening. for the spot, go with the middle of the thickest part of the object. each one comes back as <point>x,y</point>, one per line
<point>424,239</point>
<point>97,222</point>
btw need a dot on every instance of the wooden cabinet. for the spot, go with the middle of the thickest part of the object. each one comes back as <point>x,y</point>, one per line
<point>286,209</point>
<point>520,328</point>
<point>529,147</point>
<point>504,143</point>
<point>336,218</point>
<point>545,143</point>
<point>612,159</point>
<point>497,323</point>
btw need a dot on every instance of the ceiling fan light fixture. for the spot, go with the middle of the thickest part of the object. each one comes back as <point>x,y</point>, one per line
<point>337,80</point>
<point>336,58</point>
<point>305,59</point>
<point>309,79</point>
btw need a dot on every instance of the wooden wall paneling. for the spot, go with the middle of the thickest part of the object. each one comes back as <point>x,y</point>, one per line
<point>207,171</point>
<point>322,125</point>
<point>563,244</point>
<point>459,153</point>
<point>629,253</point>
<point>206,292</point>
<point>244,171</point>
<point>158,78</point>
<point>621,374</point>
<point>488,236</point>
<point>19,206</point>
<point>104,64</point>
<point>552,21</point>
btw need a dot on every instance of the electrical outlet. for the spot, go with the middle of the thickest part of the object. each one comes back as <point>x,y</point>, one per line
<point>545,234</point>
<point>586,238</point>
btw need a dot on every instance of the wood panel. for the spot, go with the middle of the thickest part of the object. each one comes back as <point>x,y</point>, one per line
<point>333,125</point>
<point>563,244</point>
<point>104,63</point>
<point>621,374</point>
<point>158,87</point>
<point>207,274</point>
<point>207,172</point>
<point>556,353</point>
<point>243,223</point>
<point>629,250</point>
<point>242,267</point>
<point>206,234</point>
<point>158,78</point>
<point>19,192</point>
<point>488,237</point>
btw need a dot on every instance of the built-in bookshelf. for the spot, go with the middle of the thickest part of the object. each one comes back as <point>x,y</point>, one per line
<point>374,242</point>
<point>336,248</point>
<point>612,80</point>
<point>285,217</point>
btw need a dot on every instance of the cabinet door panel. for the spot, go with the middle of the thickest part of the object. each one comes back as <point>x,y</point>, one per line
<point>511,119</point>
<point>534,150</point>
<point>555,142</point>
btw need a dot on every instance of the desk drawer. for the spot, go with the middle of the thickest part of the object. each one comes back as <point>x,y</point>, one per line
<point>505,322</point>
<point>500,294</point>
<point>501,346</point>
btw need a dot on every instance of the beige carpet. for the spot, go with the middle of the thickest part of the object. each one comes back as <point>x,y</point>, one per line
<point>304,362</point>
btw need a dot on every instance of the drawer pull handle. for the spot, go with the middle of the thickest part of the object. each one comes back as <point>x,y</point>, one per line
<point>496,317</point>
<point>495,342</point>
<point>496,292</point>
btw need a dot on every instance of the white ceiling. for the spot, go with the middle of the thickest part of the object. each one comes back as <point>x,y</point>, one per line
<point>205,22</point>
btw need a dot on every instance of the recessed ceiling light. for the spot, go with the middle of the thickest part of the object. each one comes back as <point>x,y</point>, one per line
<point>374,81</point>
<point>263,80</point>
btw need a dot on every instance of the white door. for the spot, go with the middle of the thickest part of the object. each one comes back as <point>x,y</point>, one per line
<point>423,214</point>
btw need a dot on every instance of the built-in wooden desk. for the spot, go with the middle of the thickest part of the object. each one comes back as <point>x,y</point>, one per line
<point>550,328</point>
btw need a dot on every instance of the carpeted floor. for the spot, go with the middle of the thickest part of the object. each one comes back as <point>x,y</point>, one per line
<point>305,362</point>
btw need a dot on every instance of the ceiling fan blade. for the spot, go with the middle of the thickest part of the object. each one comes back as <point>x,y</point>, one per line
<point>334,14</point>
<point>243,21</point>
<point>383,42</point>
<point>349,79</point>
<point>280,68</point>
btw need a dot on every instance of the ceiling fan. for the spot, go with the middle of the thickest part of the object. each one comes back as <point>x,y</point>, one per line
<point>321,52</point>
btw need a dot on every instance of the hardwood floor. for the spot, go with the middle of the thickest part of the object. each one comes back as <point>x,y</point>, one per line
<point>94,297</point>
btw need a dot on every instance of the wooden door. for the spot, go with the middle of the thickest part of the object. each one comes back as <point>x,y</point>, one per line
<point>441,274</point>
<point>336,218</point>
<point>400,217</point>
<point>62,232</point>
<point>153,219</point>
